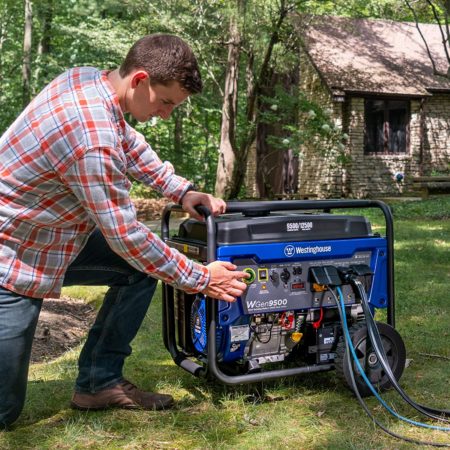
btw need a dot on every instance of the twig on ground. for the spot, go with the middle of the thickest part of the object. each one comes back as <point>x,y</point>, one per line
<point>430,355</point>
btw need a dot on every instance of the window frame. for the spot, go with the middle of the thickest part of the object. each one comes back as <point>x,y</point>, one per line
<point>386,137</point>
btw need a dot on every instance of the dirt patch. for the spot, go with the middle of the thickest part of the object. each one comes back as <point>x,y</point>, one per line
<point>63,323</point>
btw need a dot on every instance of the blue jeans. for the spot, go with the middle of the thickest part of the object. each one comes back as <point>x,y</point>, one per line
<point>108,343</point>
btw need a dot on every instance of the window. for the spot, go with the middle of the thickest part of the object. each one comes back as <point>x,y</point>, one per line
<point>386,128</point>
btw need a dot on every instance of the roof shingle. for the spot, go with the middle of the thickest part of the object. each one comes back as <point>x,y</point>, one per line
<point>375,56</point>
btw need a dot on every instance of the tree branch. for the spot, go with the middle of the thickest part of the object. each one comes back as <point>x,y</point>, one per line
<point>431,355</point>
<point>430,56</point>
<point>446,11</point>
<point>436,17</point>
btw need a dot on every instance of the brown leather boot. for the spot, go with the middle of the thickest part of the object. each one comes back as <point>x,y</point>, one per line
<point>123,395</point>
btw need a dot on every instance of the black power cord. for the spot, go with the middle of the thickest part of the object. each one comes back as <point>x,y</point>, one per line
<point>375,338</point>
<point>356,389</point>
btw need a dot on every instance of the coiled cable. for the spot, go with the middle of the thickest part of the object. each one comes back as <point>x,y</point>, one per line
<point>351,351</point>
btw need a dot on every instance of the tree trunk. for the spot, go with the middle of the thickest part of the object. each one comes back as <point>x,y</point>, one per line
<point>26,65</point>
<point>206,184</point>
<point>44,45</point>
<point>227,148</point>
<point>178,136</point>
<point>276,170</point>
<point>252,106</point>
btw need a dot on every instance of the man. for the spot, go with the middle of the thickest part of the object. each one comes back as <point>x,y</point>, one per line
<point>66,218</point>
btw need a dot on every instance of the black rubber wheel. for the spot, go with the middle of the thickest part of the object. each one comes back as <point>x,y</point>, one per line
<point>393,346</point>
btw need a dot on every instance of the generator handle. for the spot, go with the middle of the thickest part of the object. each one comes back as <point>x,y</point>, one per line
<point>168,312</point>
<point>165,219</point>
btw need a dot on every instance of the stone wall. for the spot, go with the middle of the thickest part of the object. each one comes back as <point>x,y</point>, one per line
<point>319,176</point>
<point>437,142</point>
<point>374,175</point>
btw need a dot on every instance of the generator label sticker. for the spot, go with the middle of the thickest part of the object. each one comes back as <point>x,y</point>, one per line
<point>191,249</point>
<point>239,333</point>
<point>185,248</point>
<point>299,226</point>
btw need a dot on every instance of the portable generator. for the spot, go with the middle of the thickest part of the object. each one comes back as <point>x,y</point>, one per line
<point>287,322</point>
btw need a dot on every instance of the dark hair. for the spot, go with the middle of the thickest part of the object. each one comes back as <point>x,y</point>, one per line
<point>165,58</point>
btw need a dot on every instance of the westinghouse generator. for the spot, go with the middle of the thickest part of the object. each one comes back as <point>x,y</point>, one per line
<point>316,280</point>
<point>287,322</point>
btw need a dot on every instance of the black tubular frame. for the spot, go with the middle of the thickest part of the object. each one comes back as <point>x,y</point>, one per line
<point>258,207</point>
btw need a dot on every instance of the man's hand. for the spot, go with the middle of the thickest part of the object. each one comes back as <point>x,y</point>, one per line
<point>225,282</point>
<point>193,198</point>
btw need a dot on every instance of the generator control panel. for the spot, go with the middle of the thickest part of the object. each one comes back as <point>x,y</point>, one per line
<point>288,286</point>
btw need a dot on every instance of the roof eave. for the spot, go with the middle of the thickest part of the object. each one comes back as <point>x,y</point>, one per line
<point>438,90</point>
<point>356,92</point>
<point>339,94</point>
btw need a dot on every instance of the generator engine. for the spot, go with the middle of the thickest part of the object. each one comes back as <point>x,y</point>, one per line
<point>289,336</point>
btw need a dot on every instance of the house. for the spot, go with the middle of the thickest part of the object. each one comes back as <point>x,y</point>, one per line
<point>377,79</point>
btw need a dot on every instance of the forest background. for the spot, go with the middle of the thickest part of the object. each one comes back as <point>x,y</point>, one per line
<point>248,54</point>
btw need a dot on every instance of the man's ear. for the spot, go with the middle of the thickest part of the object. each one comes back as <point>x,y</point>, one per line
<point>137,77</point>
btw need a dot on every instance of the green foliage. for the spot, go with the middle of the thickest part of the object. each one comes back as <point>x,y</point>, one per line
<point>11,26</point>
<point>140,190</point>
<point>316,129</point>
<point>99,34</point>
<point>382,9</point>
<point>76,39</point>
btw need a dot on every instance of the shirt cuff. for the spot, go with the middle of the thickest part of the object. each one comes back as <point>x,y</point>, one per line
<point>202,280</point>
<point>190,187</point>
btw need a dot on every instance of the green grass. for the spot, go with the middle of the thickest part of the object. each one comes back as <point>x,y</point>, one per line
<point>308,412</point>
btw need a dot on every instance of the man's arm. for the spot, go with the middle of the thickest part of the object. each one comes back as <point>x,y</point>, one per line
<point>99,182</point>
<point>144,165</point>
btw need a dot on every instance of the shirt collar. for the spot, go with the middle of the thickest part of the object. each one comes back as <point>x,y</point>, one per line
<point>112,99</point>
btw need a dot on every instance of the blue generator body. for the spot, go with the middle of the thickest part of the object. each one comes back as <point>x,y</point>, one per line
<point>286,320</point>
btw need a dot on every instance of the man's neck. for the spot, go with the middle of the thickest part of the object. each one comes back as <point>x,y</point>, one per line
<point>119,85</point>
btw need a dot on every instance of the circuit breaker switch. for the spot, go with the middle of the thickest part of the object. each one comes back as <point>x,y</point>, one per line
<point>263,274</point>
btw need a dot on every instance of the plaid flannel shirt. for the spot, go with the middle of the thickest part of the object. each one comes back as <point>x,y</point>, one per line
<point>63,166</point>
